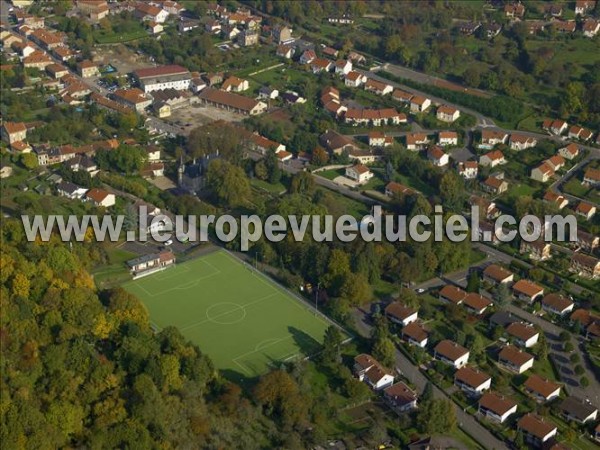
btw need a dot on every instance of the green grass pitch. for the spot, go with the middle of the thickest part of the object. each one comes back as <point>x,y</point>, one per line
<point>236,315</point>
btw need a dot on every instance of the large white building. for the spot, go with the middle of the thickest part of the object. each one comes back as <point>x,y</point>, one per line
<point>164,77</point>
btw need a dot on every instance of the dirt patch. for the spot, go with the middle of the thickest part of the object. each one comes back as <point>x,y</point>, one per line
<point>124,59</point>
<point>198,114</point>
<point>163,183</point>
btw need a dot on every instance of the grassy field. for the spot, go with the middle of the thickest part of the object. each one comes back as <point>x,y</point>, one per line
<point>241,319</point>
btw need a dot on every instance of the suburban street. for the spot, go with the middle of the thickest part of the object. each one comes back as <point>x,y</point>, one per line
<point>465,421</point>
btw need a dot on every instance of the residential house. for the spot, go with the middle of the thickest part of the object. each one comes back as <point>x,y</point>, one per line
<point>451,353</point>
<point>447,113</point>
<point>542,173</point>
<point>368,369</point>
<point>359,173</point>
<point>374,117</point>
<point>494,185</point>
<point>148,12</point>
<point>307,57</point>
<point>248,38</point>
<point>402,96</point>
<point>527,291</point>
<point>155,27</point>
<point>468,170</point>
<point>502,319</point>
<point>63,54</point>
<point>211,26</point>
<point>357,58</point>
<point>496,274</point>
<point>393,188</point>
<point>319,65</point>
<point>447,138</point>
<point>587,241</point>
<point>536,430</point>
<point>133,98</point>
<point>282,34</point>
<point>437,156</point>
<point>197,84</point>
<point>20,147</point>
<point>57,71</point>
<point>524,334</point>
<point>476,303</point>
<point>379,139</point>
<point>415,334</point>
<point>591,177</point>
<point>537,250</point>
<point>268,93</point>
<point>330,51</point>
<point>496,407</point>
<point>285,51</point>
<point>590,28</point>
<point>235,84</point>
<point>492,29</point>
<point>514,10</point>
<point>419,104</point>
<point>577,132</point>
<point>452,294</point>
<point>472,381</point>
<point>557,304</point>
<point>37,60</point>
<point>263,145</point>
<point>400,314</point>
<point>400,397</point>
<point>514,359</point>
<point>336,143</point>
<point>13,132</point>
<point>70,190</point>
<point>564,26</point>
<point>354,79</point>
<point>569,152</point>
<point>469,28</point>
<point>557,162</point>
<point>542,389</point>
<point>521,142</point>
<point>557,127</point>
<point>343,67</point>
<point>555,199</point>
<point>577,410</point>
<point>100,197</point>
<point>586,210</point>
<point>492,159</point>
<point>378,87</point>
<point>583,6</point>
<point>585,266</point>
<point>416,141</point>
<point>82,163</point>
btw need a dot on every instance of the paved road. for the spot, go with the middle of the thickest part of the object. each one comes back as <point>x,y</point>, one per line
<point>467,422</point>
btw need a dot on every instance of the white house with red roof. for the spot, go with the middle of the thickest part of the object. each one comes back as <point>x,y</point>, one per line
<point>359,173</point>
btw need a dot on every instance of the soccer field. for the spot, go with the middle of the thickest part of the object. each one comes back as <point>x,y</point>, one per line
<point>236,315</point>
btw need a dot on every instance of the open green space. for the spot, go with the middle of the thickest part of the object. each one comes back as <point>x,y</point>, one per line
<point>240,318</point>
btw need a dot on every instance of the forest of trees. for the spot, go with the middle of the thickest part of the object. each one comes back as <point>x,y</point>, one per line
<point>83,368</point>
